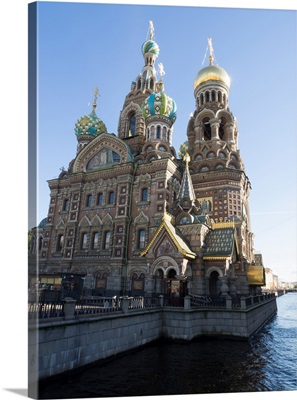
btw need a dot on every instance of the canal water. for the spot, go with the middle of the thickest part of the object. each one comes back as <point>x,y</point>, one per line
<point>266,362</point>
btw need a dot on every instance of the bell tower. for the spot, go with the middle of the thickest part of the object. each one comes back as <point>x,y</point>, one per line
<point>131,126</point>
<point>216,165</point>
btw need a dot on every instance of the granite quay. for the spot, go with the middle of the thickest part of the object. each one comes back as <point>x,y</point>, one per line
<point>80,333</point>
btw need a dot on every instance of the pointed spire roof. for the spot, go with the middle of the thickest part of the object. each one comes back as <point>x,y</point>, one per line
<point>186,190</point>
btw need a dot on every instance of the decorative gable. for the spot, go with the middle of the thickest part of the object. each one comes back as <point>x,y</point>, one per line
<point>166,238</point>
<point>104,151</point>
<point>164,246</point>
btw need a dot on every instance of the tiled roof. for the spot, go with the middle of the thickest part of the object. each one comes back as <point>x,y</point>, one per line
<point>220,243</point>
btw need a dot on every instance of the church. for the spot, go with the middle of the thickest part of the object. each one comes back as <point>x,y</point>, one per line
<point>132,216</point>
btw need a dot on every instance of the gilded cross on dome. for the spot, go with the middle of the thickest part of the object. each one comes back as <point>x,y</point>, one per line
<point>151,29</point>
<point>96,94</point>
<point>211,52</point>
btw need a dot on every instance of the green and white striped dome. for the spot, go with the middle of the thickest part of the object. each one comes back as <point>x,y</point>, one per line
<point>159,104</point>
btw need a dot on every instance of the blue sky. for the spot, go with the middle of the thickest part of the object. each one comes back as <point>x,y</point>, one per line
<point>82,46</point>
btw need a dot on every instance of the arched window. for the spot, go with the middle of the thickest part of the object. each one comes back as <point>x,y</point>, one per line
<point>207,97</point>
<point>207,129</point>
<point>171,274</point>
<point>60,242</point>
<point>132,125</point>
<point>66,205</point>
<point>141,239</point>
<point>106,243</point>
<point>139,83</point>
<point>168,135</point>
<point>40,241</point>
<point>100,199</point>
<point>95,240</point>
<point>158,136</point>
<point>220,97</point>
<point>213,283</point>
<point>201,99</point>
<point>151,84</point>
<point>144,194</point>
<point>84,241</point>
<point>213,95</point>
<point>162,148</point>
<point>89,200</point>
<point>111,198</point>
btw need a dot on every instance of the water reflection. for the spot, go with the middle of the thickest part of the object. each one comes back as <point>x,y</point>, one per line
<point>267,362</point>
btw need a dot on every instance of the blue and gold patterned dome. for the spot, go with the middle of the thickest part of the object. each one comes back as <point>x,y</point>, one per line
<point>90,125</point>
<point>159,104</point>
<point>150,46</point>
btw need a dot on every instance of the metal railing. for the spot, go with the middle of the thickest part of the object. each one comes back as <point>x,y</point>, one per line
<point>97,306</point>
<point>45,310</point>
<point>236,302</point>
<point>70,308</point>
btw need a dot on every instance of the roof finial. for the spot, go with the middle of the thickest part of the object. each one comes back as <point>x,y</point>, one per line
<point>187,159</point>
<point>151,28</point>
<point>211,52</point>
<point>161,70</point>
<point>96,94</point>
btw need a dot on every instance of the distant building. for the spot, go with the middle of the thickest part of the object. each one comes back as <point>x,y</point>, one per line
<point>133,218</point>
<point>272,282</point>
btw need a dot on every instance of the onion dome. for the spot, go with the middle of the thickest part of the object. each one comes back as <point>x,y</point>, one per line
<point>90,125</point>
<point>159,104</point>
<point>212,73</point>
<point>150,46</point>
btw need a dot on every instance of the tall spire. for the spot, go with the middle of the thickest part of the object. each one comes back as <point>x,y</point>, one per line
<point>186,190</point>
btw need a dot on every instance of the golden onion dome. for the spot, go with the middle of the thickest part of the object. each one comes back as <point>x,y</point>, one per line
<point>212,73</point>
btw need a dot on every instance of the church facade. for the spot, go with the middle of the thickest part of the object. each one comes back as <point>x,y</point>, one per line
<point>133,217</point>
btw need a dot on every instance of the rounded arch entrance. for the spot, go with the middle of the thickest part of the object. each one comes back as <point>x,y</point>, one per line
<point>166,272</point>
<point>213,276</point>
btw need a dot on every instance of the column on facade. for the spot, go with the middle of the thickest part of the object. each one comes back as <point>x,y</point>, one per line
<point>215,125</point>
<point>229,129</point>
<point>199,132</point>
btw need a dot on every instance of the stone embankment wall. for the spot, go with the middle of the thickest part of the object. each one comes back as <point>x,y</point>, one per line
<point>62,345</point>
